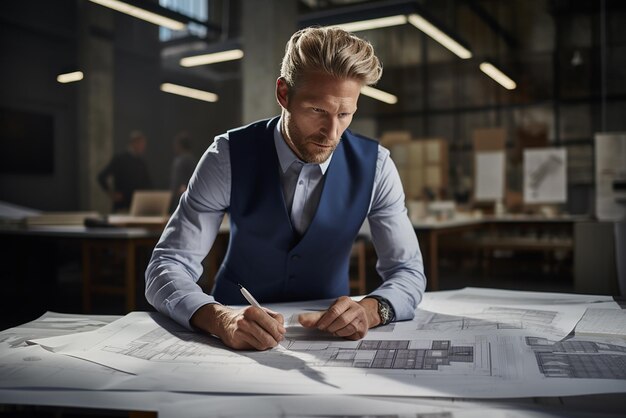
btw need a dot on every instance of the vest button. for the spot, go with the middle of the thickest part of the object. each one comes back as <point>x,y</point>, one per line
<point>295,257</point>
<point>292,277</point>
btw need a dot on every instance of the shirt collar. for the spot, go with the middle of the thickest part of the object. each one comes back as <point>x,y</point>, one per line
<point>286,156</point>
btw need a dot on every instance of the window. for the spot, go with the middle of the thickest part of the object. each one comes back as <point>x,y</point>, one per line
<point>198,9</point>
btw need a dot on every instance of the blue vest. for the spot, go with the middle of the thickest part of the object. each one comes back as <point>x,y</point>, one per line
<point>265,254</point>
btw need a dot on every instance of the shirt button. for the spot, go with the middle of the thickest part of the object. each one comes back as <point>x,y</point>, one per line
<point>301,182</point>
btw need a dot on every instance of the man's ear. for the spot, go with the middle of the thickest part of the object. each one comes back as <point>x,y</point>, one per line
<point>282,92</point>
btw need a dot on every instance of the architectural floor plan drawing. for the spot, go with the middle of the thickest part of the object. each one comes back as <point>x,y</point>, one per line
<point>163,345</point>
<point>391,354</point>
<point>496,351</point>
<point>179,346</point>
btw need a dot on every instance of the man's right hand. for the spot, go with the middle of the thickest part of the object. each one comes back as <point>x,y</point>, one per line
<point>241,329</point>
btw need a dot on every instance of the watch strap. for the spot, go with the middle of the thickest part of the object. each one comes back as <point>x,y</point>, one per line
<point>385,311</point>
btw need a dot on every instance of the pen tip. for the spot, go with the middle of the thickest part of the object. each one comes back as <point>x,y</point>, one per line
<point>240,286</point>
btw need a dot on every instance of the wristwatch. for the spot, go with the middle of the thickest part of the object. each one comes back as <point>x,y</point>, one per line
<point>385,310</point>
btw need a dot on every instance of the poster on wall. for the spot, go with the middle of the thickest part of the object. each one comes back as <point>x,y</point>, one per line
<point>611,176</point>
<point>489,176</point>
<point>545,175</point>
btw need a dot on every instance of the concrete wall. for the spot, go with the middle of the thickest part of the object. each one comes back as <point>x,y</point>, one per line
<point>40,39</point>
<point>35,48</point>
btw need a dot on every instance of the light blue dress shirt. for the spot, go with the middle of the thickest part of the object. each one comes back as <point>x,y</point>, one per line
<point>176,263</point>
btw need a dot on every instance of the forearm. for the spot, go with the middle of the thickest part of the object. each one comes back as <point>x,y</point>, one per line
<point>207,318</point>
<point>176,263</point>
<point>172,290</point>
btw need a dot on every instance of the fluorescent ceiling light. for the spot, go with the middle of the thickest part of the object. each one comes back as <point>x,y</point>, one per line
<point>189,92</point>
<point>498,76</point>
<point>233,54</point>
<point>439,36</point>
<point>70,77</point>
<point>141,14</point>
<point>382,22</point>
<point>383,96</point>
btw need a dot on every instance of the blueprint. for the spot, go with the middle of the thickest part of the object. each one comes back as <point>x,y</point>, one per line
<point>479,343</point>
<point>472,310</point>
<point>610,322</point>
<point>52,324</point>
<point>184,405</point>
<point>498,319</point>
<point>580,358</point>
<point>33,366</point>
<point>491,297</point>
<point>401,361</point>
<point>340,406</point>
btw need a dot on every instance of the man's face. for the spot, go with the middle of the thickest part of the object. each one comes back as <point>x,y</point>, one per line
<point>316,113</point>
<point>139,145</point>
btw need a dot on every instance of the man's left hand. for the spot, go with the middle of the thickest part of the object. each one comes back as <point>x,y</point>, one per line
<point>345,318</point>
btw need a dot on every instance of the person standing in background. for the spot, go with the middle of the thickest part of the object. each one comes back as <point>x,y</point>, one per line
<point>126,172</point>
<point>182,167</point>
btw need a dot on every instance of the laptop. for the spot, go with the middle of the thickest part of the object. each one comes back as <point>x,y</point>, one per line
<point>150,203</point>
<point>148,208</point>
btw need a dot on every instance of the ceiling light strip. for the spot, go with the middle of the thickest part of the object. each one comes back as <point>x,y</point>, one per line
<point>189,92</point>
<point>70,77</point>
<point>439,36</point>
<point>142,14</point>
<point>501,78</point>
<point>383,96</point>
<point>233,54</point>
<point>382,22</point>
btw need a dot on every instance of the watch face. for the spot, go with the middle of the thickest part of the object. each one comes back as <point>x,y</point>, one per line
<point>383,312</point>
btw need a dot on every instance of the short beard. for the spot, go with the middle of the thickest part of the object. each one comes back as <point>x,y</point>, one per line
<point>316,158</point>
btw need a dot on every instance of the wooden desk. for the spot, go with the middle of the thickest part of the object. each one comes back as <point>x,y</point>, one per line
<point>429,234</point>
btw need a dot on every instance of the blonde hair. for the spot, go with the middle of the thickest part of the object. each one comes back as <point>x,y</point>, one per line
<point>332,51</point>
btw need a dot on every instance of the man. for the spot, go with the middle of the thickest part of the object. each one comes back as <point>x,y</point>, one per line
<point>182,167</point>
<point>126,172</point>
<point>297,189</point>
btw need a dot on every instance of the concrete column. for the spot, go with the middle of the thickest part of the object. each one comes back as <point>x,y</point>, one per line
<point>266,28</point>
<point>95,110</point>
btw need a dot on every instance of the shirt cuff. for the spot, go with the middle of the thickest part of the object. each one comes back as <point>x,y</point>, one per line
<point>402,308</point>
<point>183,309</point>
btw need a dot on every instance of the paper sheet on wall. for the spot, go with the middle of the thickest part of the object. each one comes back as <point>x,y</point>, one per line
<point>489,176</point>
<point>545,175</point>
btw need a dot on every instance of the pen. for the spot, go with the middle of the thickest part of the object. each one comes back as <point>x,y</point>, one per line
<point>252,301</point>
<point>249,297</point>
